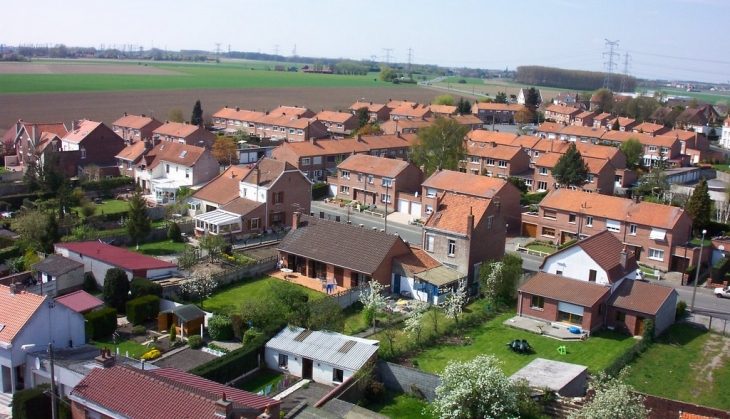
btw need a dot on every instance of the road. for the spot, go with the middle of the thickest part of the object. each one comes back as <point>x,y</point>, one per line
<point>410,233</point>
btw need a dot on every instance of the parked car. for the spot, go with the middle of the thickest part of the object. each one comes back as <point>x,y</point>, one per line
<point>722,292</point>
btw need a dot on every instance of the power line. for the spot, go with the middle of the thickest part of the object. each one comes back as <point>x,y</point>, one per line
<point>610,65</point>
<point>682,58</point>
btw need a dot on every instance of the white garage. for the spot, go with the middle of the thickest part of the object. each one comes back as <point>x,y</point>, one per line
<point>403,206</point>
<point>416,209</point>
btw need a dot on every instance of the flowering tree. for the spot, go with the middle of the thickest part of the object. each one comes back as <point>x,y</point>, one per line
<point>613,399</point>
<point>373,302</point>
<point>455,302</point>
<point>475,389</point>
<point>200,283</point>
<point>414,319</point>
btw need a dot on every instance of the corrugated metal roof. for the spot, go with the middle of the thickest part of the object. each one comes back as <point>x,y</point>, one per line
<point>327,347</point>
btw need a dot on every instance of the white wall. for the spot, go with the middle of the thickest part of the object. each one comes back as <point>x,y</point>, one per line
<point>98,268</point>
<point>576,264</point>
<point>252,192</point>
<point>321,371</point>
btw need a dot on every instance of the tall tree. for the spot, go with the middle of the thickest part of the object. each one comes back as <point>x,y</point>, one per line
<point>213,244</point>
<point>571,169</point>
<point>326,314</point>
<point>387,74</point>
<point>475,389</point>
<point>197,117</point>
<point>603,100</point>
<point>612,399</point>
<point>463,107</point>
<point>373,301</point>
<point>116,288</point>
<point>138,221</point>
<point>363,118</point>
<point>225,150</point>
<point>498,280</point>
<point>634,151</point>
<point>653,184</point>
<point>439,145</point>
<point>699,206</point>
<point>200,284</point>
<point>532,100</point>
<point>501,97</point>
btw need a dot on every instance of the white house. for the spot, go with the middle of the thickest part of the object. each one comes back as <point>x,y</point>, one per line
<point>28,323</point>
<point>324,357</point>
<point>725,137</point>
<point>418,275</point>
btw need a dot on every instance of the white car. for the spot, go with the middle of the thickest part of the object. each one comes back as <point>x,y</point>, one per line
<point>722,292</point>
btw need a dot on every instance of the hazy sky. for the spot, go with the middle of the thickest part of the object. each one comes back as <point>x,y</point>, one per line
<point>668,39</point>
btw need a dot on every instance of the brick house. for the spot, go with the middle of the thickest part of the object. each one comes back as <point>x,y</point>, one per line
<point>243,201</point>
<point>655,233</point>
<point>655,148</point>
<point>88,143</point>
<point>584,119</point>
<point>377,112</point>
<point>562,114</point>
<point>31,141</point>
<point>353,256</point>
<point>406,111</point>
<point>133,128</point>
<point>231,120</point>
<point>378,180</point>
<point>184,134</point>
<point>601,120</point>
<point>496,113</point>
<point>725,138</point>
<point>601,174</point>
<point>650,128</point>
<point>494,160</point>
<point>285,127</point>
<point>471,185</point>
<point>465,231</point>
<point>404,126</point>
<point>500,138</point>
<point>339,124</point>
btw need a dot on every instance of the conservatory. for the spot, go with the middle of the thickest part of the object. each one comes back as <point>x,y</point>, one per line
<point>218,222</point>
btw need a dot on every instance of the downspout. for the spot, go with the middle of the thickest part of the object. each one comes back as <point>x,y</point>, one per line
<point>519,313</point>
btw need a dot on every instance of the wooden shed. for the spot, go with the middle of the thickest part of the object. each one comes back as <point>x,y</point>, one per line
<point>187,319</point>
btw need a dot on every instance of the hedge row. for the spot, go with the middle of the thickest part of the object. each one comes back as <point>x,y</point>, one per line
<point>719,269</point>
<point>32,403</point>
<point>9,253</point>
<point>320,190</point>
<point>107,184</point>
<point>143,308</point>
<point>142,286</point>
<point>233,364</point>
<point>101,323</point>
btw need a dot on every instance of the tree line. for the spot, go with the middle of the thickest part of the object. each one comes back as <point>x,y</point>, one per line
<point>568,79</point>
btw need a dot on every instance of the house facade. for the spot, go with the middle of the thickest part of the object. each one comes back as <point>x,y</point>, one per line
<point>339,124</point>
<point>133,128</point>
<point>31,141</point>
<point>496,113</point>
<point>88,143</point>
<point>494,160</point>
<point>562,114</point>
<point>725,137</point>
<point>418,275</point>
<point>232,120</point>
<point>59,275</point>
<point>376,180</point>
<point>182,133</point>
<point>377,112</point>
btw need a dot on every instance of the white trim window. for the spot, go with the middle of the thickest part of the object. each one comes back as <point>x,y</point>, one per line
<point>284,361</point>
<point>344,189</point>
<point>387,182</point>
<point>475,159</point>
<point>254,224</point>
<point>613,226</point>
<point>502,163</point>
<point>306,161</point>
<point>345,174</point>
<point>632,229</point>
<point>589,221</point>
<point>543,171</point>
<point>490,162</point>
<point>384,198</point>
<point>430,242</point>
<point>452,248</point>
<point>656,254</point>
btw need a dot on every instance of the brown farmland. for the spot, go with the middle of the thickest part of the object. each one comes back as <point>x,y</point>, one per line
<point>109,106</point>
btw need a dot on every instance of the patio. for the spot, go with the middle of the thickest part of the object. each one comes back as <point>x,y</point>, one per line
<point>311,283</point>
<point>550,329</point>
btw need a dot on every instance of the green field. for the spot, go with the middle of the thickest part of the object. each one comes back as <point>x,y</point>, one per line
<point>400,406</point>
<point>135,349</point>
<point>260,381</point>
<point>231,75</point>
<point>229,300</point>
<point>160,248</point>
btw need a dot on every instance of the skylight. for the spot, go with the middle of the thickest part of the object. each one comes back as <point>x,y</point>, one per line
<point>184,152</point>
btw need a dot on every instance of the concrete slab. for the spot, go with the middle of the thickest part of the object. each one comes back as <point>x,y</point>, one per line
<point>550,329</point>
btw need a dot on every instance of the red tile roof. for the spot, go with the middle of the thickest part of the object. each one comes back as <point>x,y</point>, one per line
<point>564,110</point>
<point>132,152</point>
<point>465,183</point>
<point>80,301</point>
<point>172,152</point>
<point>417,261</point>
<point>224,188</point>
<point>238,115</point>
<point>115,256</point>
<point>582,293</point>
<point>452,212</point>
<point>443,109</point>
<point>83,128</point>
<point>176,129</point>
<point>134,121</point>
<point>291,111</point>
<point>491,106</point>
<point>269,171</point>
<point>501,152</point>
<point>331,116</point>
<point>374,165</point>
<point>644,297</point>
<point>16,310</point>
<point>483,136</point>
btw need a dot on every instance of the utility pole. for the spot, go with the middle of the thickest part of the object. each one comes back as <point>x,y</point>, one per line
<point>294,51</point>
<point>626,72</point>
<point>387,55</point>
<point>610,65</point>
<point>54,405</point>
<point>276,52</point>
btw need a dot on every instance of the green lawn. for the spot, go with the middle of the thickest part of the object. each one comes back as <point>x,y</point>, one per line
<point>542,248</point>
<point>135,349</point>
<point>110,206</point>
<point>229,300</point>
<point>400,406</point>
<point>260,381</point>
<point>354,321</point>
<point>680,366</point>
<point>491,338</point>
<point>161,248</point>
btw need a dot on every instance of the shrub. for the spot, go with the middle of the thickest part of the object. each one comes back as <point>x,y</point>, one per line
<point>648,334</point>
<point>320,190</point>
<point>174,233</point>
<point>89,281</point>
<point>107,184</point>
<point>32,403</point>
<point>173,333</point>
<point>116,288</point>
<point>143,308</point>
<point>719,269</point>
<point>681,309</point>
<point>143,286</point>
<point>251,335</point>
<point>195,342</point>
<point>139,330</point>
<point>101,323</point>
<point>219,328</point>
<point>238,325</point>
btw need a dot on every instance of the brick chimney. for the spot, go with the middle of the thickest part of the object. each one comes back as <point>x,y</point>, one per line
<point>147,145</point>
<point>358,138</point>
<point>624,258</point>
<point>296,217</point>
<point>105,359</point>
<point>470,223</point>
<point>256,175</point>
<point>223,407</point>
<point>12,289</point>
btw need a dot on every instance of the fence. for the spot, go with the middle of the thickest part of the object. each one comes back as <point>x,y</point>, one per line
<point>347,297</point>
<point>407,380</point>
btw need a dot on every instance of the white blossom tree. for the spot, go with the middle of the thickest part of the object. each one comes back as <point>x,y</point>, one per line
<point>373,301</point>
<point>454,304</point>
<point>414,319</point>
<point>475,389</point>
<point>200,283</point>
<point>612,399</point>
<point>490,282</point>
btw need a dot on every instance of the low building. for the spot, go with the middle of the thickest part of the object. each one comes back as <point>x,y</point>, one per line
<point>188,320</point>
<point>80,302</point>
<point>423,278</point>
<point>324,357</point>
<point>567,380</point>
<point>58,275</point>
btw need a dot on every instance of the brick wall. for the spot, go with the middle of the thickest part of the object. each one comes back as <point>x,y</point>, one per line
<point>400,378</point>
<point>662,408</point>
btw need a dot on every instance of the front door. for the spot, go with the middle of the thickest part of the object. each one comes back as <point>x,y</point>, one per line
<point>307,368</point>
<point>339,276</point>
<point>639,329</point>
<point>637,253</point>
<point>396,284</point>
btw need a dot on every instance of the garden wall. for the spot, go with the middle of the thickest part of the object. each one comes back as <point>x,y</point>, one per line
<point>251,271</point>
<point>400,378</point>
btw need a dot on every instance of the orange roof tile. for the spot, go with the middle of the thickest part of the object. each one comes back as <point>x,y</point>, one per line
<point>380,166</point>
<point>565,110</point>
<point>465,183</point>
<point>331,116</point>
<point>83,128</point>
<point>132,152</point>
<point>443,109</point>
<point>133,121</point>
<point>575,291</point>
<point>645,139</point>
<point>291,111</point>
<point>16,310</point>
<point>550,127</point>
<point>238,115</point>
<point>452,212</point>
<point>485,136</point>
<point>501,152</point>
<point>491,106</point>
<point>182,154</point>
<point>417,260</point>
<point>224,188</point>
<point>175,129</point>
<point>269,171</point>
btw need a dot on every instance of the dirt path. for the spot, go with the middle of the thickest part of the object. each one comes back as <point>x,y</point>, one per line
<point>714,354</point>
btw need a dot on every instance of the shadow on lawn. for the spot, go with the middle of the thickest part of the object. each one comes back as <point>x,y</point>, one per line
<point>681,334</point>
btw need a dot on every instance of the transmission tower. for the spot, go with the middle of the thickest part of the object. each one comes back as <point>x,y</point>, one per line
<point>610,65</point>
<point>410,55</point>
<point>387,54</point>
<point>294,51</point>
<point>626,72</point>
<point>276,50</point>
<point>217,49</point>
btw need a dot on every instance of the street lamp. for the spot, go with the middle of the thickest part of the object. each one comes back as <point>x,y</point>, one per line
<point>697,275</point>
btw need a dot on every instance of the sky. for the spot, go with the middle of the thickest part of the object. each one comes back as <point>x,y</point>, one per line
<point>665,39</point>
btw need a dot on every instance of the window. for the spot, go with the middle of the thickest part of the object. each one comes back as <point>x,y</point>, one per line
<point>502,163</point>
<point>317,160</point>
<point>543,171</point>
<point>541,186</point>
<point>613,225</point>
<point>537,302</point>
<point>573,318</point>
<point>167,168</point>
<point>306,161</point>
<point>592,275</point>
<point>283,361</point>
<point>550,213</point>
<point>276,128</point>
<point>300,132</point>
<point>665,150</point>
<point>632,229</point>
<point>430,192</point>
<point>283,129</point>
<point>537,153</point>
<point>388,183</point>
<point>549,232</point>
<point>359,177</point>
<point>571,218</point>
<point>430,239</point>
<point>278,197</point>
<point>429,209</point>
<point>254,224</point>
<point>475,159</point>
<point>621,316</point>
<point>589,221</point>
<point>490,162</point>
<point>370,179</point>
<point>345,174</point>
<point>656,254</point>
<point>292,131</point>
<point>652,148</point>
<point>590,178</point>
<point>83,153</point>
<point>490,221</point>
<point>337,375</point>
<point>317,174</point>
<point>489,173</point>
<point>452,247</point>
<point>187,173</point>
<point>384,198</point>
<point>344,189</point>
<point>528,183</point>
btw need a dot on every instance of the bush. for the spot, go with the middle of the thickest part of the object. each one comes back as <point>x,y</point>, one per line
<point>139,330</point>
<point>143,308</point>
<point>238,326</point>
<point>648,334</point>
<point>681,310</point>
<point>105,185</point>
<point>220,328</point>
<point>174,233</point>
<point>233,364</point>
<point>320,190</point>
<point>251,335</point>
<point>116,288</point>
<point>143,286</point>
<point>89,281</point>
<point>195,342</point>
<point>32,403</point>
<point>719,269</point>
<point>101,323</point>
<point>690,271</point>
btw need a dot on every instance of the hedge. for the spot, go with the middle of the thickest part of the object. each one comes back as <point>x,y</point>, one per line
<point>320,190</point>
<point>220,327</point>
<point>101,323</point>
<point>142,286</point>
<point>107,184</point>
<point>143,308</point>
<point>233,364</point>
<point>719,269</point>
<point>32,403</point>
<point>9,253</point>
<point>532,198</point>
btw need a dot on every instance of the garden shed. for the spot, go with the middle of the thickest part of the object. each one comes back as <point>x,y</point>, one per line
<point>568,380</point>
<point>188,320</point>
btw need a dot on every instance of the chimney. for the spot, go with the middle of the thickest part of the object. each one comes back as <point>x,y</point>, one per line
<point>237,109</point>
<point>147,145</point>
<point>312,140</point>
<point>470,223</point>
<point>105,359</point>
<point>143,115</point>
<point>12,289</point>
<point>358,138</point>
<point>295,220</point>
<point>492,144</point>
<point>125,113</point>
<point>73,125</point>
<point>223,407</point>
<point>256,175</point>
<point>624,257</point>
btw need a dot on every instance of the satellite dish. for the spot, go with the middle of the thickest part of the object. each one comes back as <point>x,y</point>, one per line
<point>37,363</point>
<point>721,247</point>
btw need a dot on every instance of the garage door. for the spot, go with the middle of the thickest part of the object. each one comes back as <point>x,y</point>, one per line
<point>416,209</point>
<point>403,206</point>
<point>529,230</point>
